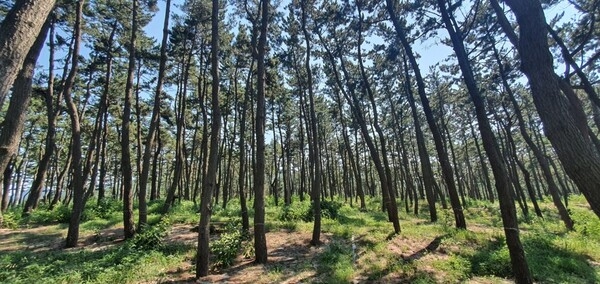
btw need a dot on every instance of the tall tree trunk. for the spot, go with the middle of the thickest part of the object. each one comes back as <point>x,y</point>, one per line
<point>50,146</point>
<point>260,241</point>
<point>560,115</point>
<point>540,157</point>
<point>14,120</point>
<point>154,121</point>
<point>20,28</point>
<point>242,158</point>
<point>209,182</point>
<point>442,153</point>
<point>507,207</point>
<point>128,223</point>
<point>76,165</point>
<point>315,153</point>
<point>428,179</point>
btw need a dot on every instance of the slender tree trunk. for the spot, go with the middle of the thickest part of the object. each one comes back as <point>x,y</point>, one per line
<point>507,208</point>
<point>442,153</point>
<point>540,157</point>
<point>428,179</point>
<point>52,115</point>
<point>315,152</point>
<point>209,182</point>
<point>77,181</point>
<point>154,121</point>
<point>128,223</point>
<point>260,241</point>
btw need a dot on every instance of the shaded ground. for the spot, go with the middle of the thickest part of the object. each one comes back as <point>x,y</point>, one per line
<point>291,260</point>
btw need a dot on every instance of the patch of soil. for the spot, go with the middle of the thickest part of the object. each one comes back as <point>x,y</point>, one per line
<point>288,253</point>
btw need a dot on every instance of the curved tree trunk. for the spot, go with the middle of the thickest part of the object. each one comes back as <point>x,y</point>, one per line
<point>77,181</point>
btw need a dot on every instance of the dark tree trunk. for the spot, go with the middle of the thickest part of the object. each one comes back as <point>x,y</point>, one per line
<point>209,182</point>
<point>428,179</point>
<point>443,158</point>
<point>260,241</point>
<point>77,181</point>
<point>507,208</point>
<point>128,223</point>
<point>20,28</point>
<point>52,115</point>
<point>154,121</point>
<point>561,116</point>
<point>14,119</point>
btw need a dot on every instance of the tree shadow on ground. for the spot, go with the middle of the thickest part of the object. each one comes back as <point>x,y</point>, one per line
<point>402,269</point>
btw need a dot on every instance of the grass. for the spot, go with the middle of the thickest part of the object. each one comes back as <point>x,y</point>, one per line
<point>359,247</point>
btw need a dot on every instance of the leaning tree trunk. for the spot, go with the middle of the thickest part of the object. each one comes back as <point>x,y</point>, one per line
<point>559,114</point>
<point>423,153</point>
<point>52,115</point>
<point>507,207</point>
<point>540,157</point>
<point>154,121</point>
<point>442,153</point>
<point>14,120</point>
<point>20,28</point>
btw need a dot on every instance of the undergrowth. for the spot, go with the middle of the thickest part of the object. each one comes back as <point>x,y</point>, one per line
<point>361,245</point>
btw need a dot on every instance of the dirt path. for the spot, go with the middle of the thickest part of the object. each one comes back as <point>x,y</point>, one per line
<point>291,260</point>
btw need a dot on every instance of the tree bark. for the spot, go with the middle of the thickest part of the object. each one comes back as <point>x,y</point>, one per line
<point>209,182</point>
<point>20,28</point>
<point>559,115</point>
<point>260,241</point>
<point>14,120</point>
<point>77,181</point>
<point>507,207</point>
<point>128,223</point>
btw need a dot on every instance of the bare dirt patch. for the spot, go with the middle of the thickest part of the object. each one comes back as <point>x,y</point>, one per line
<point>291,260</point>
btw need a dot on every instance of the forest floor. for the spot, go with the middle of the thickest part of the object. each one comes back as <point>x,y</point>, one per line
<point>357,247</point>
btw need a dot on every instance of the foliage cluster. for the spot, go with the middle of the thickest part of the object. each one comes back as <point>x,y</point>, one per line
<point>303,211</point>
<point>151,237</point>
<point>226,248</point>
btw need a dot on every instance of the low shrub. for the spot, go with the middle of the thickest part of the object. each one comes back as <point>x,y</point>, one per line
<point>151,237</point>
<point>226,248</point>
